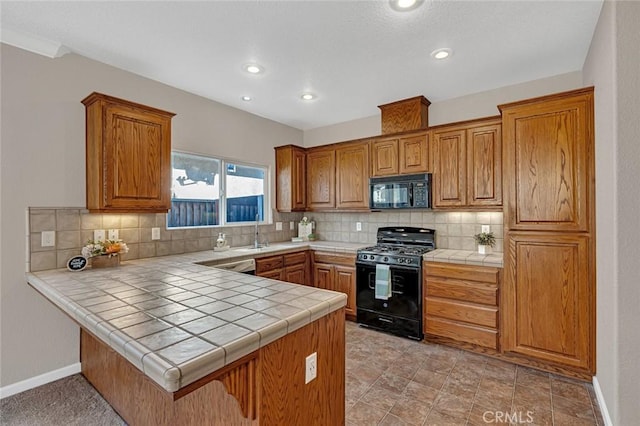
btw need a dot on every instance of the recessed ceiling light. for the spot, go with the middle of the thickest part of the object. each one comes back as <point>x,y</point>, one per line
<point>441,53</point>
<point>247,98</point>
<point>308,96</point>
<point>253,68</point>
<point>405,5</point>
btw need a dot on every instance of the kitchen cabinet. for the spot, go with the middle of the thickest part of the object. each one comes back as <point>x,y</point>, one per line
<point>128,151</point>
<point>321,178</point>
<point>338,177</point>
<point>291,171</point>
<point>406,154</point>
<point>461,303</point>
<point>549,289</point>
<point>352,176</point>
<point>467,165</point>
<point>337,272</point>
<point>291,267</point>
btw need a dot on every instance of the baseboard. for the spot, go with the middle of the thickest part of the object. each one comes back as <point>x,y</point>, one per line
<point>40,380</point>
<point>603,406</point>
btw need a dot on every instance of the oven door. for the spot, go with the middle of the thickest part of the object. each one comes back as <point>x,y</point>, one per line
<point>406,292</point>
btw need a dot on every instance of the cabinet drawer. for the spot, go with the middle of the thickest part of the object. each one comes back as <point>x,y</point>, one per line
<point>274,274</point>
<point>268,263</point>
<point>295,258</point>
<point>463,272</point>
<point>334,258</point>
<point>473,334</point>
<point>475,292</point>
<point>466,312</point>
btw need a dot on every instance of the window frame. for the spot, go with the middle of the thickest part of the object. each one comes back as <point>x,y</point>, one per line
<point>222,213</point>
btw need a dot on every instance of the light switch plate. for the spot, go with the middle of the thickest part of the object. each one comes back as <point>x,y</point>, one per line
<point>292,226</point>
<point>278,226</point>
<point>155,233</point>
<point>48,239</point>
<point>113,234</point>
<point>98,235</point>
<point>358,226</point>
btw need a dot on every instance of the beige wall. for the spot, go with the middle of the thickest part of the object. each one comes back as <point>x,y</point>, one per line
<point>42,145</point>
<point>599,71</point>
<point>468,107</point>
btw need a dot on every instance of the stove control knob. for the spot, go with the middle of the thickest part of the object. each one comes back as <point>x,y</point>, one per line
<point>386,259</point>
<point>408,260</point>
<point>401,260</point>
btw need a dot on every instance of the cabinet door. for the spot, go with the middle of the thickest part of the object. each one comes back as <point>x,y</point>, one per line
<point>484,166</point>
<point>290,179</point>
<point>345,282</point>
<point>321,179</point>
<point>137,159</point>
<point>296,274</point>
<point>323,276</point>
<point>548,299</point>
<point>384,157</point>
<point>275,274</point>
<point>352,176</point>
<point>449,168</point>
<point>547,153</point>
<point>413,154</point>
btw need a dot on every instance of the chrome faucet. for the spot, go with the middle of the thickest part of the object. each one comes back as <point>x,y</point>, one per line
<point>256,243</point>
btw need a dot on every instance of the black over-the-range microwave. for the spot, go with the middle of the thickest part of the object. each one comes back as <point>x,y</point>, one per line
<point>400,192</point>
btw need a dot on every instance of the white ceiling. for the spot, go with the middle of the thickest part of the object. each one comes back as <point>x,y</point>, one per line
<point>354,55</point>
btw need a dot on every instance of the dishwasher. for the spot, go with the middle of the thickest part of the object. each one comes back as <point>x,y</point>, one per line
<point>247,266</point>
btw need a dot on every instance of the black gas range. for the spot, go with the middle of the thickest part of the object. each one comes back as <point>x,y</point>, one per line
<point>397,261</point>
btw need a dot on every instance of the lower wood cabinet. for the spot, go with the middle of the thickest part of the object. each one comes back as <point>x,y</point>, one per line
<point>461,303</point>
<point>291,267</point>
<point>337,272</point>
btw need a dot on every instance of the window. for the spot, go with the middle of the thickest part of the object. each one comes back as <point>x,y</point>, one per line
<point>209,191</point>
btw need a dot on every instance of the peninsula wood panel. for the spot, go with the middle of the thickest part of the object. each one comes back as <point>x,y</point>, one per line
<point>548,156</point>
<point>291,170</point>
<point>384,157</point>
<point>484,165</point>
<point>321,178</point>
<point>449,168</point>
<point>548,298</point>
<point>128,151</point>
<point>413,154</point>
<point>286,399</point>
<point>352,176</point>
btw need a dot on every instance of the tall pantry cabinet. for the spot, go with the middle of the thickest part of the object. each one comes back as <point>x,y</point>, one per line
<point>548,296</point>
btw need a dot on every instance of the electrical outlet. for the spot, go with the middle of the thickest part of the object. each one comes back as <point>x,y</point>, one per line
<point>358,226</point>
<point>486,228</point>
<point>278,226</point>
<point>48,239</point>
<point>292,226</point>
<point>311,370</point>
<point>113,234</point>
<point>98,235</point>
<point>155,233</point>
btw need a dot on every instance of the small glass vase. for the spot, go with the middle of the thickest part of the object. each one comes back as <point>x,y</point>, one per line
<point>105,261</point>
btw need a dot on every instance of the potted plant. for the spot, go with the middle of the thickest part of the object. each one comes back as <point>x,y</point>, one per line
<point>484,239</point>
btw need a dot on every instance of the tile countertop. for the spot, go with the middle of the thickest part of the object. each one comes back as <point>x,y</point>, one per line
<point>465,257</point>
<point>177,320</point>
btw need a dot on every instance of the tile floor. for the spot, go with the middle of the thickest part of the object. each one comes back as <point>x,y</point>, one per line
<point>395,381</point>
<point>390,381</point>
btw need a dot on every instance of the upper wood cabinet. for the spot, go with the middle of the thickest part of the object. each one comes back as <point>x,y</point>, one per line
<point>321,178</point>
<point>338,177</point>
<point>547,154</point>
<point>467,165</point>
<point>400,155</point>
<point>352,176</point>
<point>128,149</point>
<point>291,171</point>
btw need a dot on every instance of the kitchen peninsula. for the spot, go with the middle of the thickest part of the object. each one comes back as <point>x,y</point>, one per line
<point>169,340</point>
